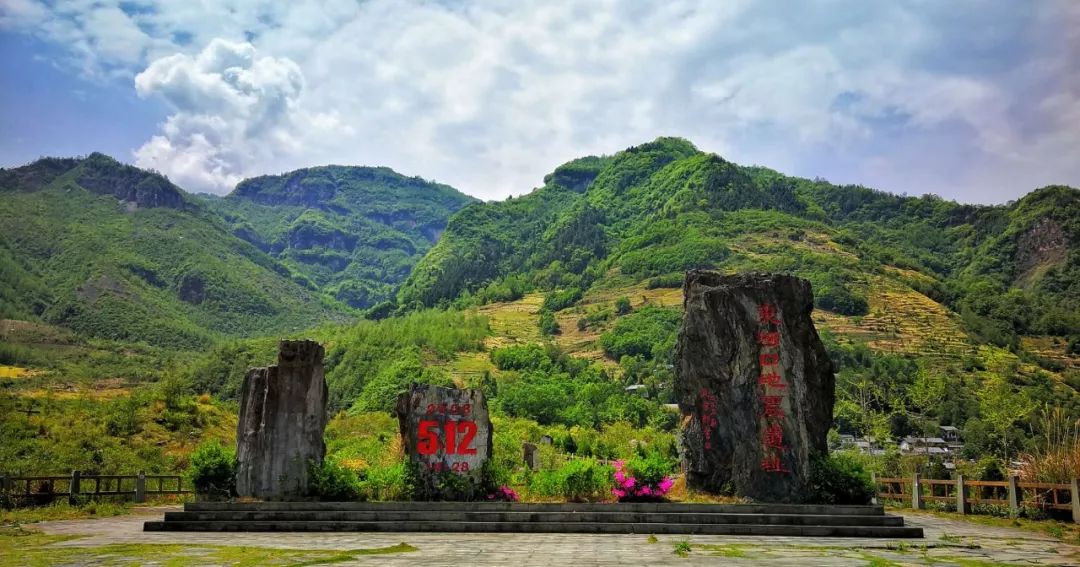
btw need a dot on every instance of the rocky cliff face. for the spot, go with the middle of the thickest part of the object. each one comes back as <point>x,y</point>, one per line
<point>282,419</point>
<point>754,384</point>
<point>1044,243</point>
<point>134,187</point>
<point>100,174</point>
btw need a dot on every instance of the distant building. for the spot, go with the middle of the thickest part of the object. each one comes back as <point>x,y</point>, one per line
<point>950,434</point>
<point>866,445</point>
<point>924,446</point>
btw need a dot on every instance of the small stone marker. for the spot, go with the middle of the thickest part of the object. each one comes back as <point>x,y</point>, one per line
<point>446,431</point>
<point>754,384</point>
<point>532,456</point>
<point>282,418</point>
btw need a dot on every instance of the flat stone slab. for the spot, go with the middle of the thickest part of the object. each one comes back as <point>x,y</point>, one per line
<point>654,518</point>
<point>670,507</point>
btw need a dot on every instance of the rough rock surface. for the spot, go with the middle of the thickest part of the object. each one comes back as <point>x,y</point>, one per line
<point>282,418</point>
<point>448,468</point>
<point>719,364</point>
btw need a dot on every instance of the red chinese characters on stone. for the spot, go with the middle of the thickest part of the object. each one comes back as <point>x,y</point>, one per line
<point>771,380</point>
<point>709,421</point>
<point>773,389</point>
<point>769,338</point>
<point>767,314</point>
<point>774,436</point>
<point>772,408</point>
<point>772,463</point>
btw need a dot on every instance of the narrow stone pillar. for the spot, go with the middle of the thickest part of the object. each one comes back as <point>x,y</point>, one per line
<point>73,490</point>
<point>916,491</point>
<point>961,500</point>
<point>1075,490</point>
<point>877,489</point>
<point>140,487</point>
<point>1014,496</point>
<point>281,424</point>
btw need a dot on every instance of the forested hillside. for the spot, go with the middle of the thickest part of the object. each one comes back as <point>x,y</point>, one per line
<point>936,312</point>
<point>562,304</point>
<point>354,232</point>
<point>658,209</point>
<point>115,252</point>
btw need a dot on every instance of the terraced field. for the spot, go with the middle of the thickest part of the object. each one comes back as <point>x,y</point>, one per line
<point>901,320</point>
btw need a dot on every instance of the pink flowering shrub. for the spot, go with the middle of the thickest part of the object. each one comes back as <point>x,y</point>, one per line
<point>504,494</point>
<point>642,479</point>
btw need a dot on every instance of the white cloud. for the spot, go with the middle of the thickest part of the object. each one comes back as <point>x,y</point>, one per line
<point>488,96</point>
<point>234,111</point>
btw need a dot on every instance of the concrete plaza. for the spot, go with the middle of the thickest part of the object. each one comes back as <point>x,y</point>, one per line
<point>947,542</point>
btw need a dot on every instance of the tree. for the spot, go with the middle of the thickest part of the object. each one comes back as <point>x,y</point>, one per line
<point>927,391</point>
<point>1000,408</point>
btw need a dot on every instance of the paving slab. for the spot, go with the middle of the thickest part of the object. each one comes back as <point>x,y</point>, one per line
<point>947,542</point>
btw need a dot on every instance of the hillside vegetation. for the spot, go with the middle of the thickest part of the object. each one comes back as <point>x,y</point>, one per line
<point>354,232</point>
<point>115,252</point>
<point>563,304</point>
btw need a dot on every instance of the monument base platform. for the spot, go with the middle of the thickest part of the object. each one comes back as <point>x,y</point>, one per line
<point>636,518</point>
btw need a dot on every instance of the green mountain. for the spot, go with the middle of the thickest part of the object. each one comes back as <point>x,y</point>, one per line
<point>655,210</point>
<point>936,313</point>
<point>112,251</point>
<point>354,232</point>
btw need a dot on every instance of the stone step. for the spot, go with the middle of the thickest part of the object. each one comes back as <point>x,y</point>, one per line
<point>612,516</point>
<point>539,527</point>
<point>663,507</point>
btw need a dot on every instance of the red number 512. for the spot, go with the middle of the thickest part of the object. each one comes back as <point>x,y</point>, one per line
<point>428,442</point>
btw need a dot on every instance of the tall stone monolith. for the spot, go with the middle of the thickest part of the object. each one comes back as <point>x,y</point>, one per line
<point>282,419</point>
<point>754,385</point>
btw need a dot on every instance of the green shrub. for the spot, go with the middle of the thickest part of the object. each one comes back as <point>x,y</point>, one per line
<point>521,357</point>
<point>666,281</point>
<point>331,482</point>
<point>578,480</point>
<point>388,483</point>
<point>548,325</point>
<point>213,469</point>
<point>648,332</point>
<point>839,479</point>
<point>650,469</point>
<point>559,300</point>
<point>622,305</point>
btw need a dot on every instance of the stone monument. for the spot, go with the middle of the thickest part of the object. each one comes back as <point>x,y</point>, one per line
<point>754,385</point>
<point>282,418</point>
<point>447,437</point>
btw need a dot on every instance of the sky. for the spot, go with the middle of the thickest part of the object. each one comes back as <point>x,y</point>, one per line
<point>974,101</point>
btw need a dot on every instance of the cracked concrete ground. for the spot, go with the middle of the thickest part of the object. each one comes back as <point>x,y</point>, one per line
<point>947,542</point>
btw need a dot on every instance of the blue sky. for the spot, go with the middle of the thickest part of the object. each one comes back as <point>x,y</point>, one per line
<point>974,101</point>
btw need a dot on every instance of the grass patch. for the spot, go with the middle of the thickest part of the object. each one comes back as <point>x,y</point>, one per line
<point>1053,528</point>
<point>652,539</point>
<point>969,562</point>
<point>950,538</point>
<point>63,511</point>
<point>725,550</point>
<point>875,561</point>
<point>20,547</point>
<point>682,548</point>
